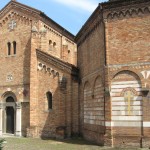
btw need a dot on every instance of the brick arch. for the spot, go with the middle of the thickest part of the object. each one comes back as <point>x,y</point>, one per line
<point>97,82</point>
<point>87,98</point>
<point>126,101</point>
<point>85,84</point>
<point>8,94</point>
<point>86,89</point>
<point>101,78</point>
<point>130,70</point>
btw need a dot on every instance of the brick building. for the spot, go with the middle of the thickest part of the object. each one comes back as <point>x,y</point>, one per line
<point>38,74</point>
<point>114,63</point>
<point>102,92</point>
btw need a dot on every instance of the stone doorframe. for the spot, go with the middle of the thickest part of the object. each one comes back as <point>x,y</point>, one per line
<point>17,116</point>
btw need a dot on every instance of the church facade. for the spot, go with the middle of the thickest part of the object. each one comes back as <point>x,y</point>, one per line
<point>95,84</point>
<point>38,74</point>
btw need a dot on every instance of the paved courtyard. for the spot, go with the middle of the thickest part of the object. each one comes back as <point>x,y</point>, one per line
<point>38,144</point>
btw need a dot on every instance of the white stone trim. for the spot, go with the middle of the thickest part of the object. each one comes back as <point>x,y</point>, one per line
<point>127,124</point>
<point>123,113</point>
<point>146,124</point>
<point>122,98</point>
<point>125,82</point>
<point>126,118</point>
<point>125,103</point>
<point>125,86</point>
<point>18,120</point>
<point>124,108</point>
<point>120,90</point>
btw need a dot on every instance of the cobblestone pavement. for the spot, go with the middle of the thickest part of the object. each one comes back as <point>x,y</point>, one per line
<point>38,144</point>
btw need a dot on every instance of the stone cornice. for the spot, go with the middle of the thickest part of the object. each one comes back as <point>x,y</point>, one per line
<point>69,68</point>
<point>121,3</point>
<point>35,14</point>
<point>147,64</point>
<point>122,9</point>
<point>111,10</point>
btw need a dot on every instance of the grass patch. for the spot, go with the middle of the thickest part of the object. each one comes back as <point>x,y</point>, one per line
<point>14,143</point>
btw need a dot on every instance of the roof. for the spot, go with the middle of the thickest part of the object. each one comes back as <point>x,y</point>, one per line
<point>43,16</point>
<point>71,69</point>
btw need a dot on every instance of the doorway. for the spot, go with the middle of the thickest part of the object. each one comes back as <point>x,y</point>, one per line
<point>10,115</point>
<point>10,120</point>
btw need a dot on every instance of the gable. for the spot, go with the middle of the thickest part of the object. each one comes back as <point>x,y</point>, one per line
<point>28,13</point>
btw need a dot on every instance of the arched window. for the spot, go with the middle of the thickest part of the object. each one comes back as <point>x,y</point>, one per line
<point>50,42</point>
<point>49,100</point>
<point>9,48</point>
<point>50,45</point>
<point>10,99</point>
<point>54,44</point>
<point>14,46</point>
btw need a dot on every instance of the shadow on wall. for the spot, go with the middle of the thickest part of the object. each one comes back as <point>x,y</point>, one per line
<point>26,81</point>
<point>55,112</point>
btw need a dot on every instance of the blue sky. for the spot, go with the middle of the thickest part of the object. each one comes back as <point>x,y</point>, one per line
<point>70,14</point>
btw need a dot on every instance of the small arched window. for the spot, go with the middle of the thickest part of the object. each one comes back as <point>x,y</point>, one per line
<point>10,99</point>
<point>50,45</point>
<point>49,100</point>
<point>50,42</point>
<point>14,46</point>
<point>9,48</point>
<point>54,44</point>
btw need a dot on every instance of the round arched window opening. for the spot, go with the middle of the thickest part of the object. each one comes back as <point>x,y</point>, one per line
<point>50,42</point>
<point>54,44</point>
<point>10,99</point>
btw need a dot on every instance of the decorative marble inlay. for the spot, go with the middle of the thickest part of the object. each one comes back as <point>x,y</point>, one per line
<point>12,25</point>
<point>128,97</point>
<point>9,78</point>
<point>145,74</point>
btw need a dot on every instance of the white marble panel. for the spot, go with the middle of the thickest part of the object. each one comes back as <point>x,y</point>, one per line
<point>127,124</point>
<point>122,98</point>
<point>125,107</point>
<point>125,82</point>
<point>146,124</point>
<point>124,124</point>
<point>136,113</point>
<point>120,90</point>
<point>128,118</point>
<point>125,86</point>
<point>125,103</point>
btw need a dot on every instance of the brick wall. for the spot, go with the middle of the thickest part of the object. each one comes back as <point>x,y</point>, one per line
<point>57,44</point>
<point>91,89</point>
<point>127,44</point>
<point>15,68</point>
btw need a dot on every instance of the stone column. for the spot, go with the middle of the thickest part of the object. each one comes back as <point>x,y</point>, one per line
<point>1,119</point>
<point>18,119</point>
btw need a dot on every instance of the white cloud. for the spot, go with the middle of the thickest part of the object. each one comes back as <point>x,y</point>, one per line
<point>88,5</point>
